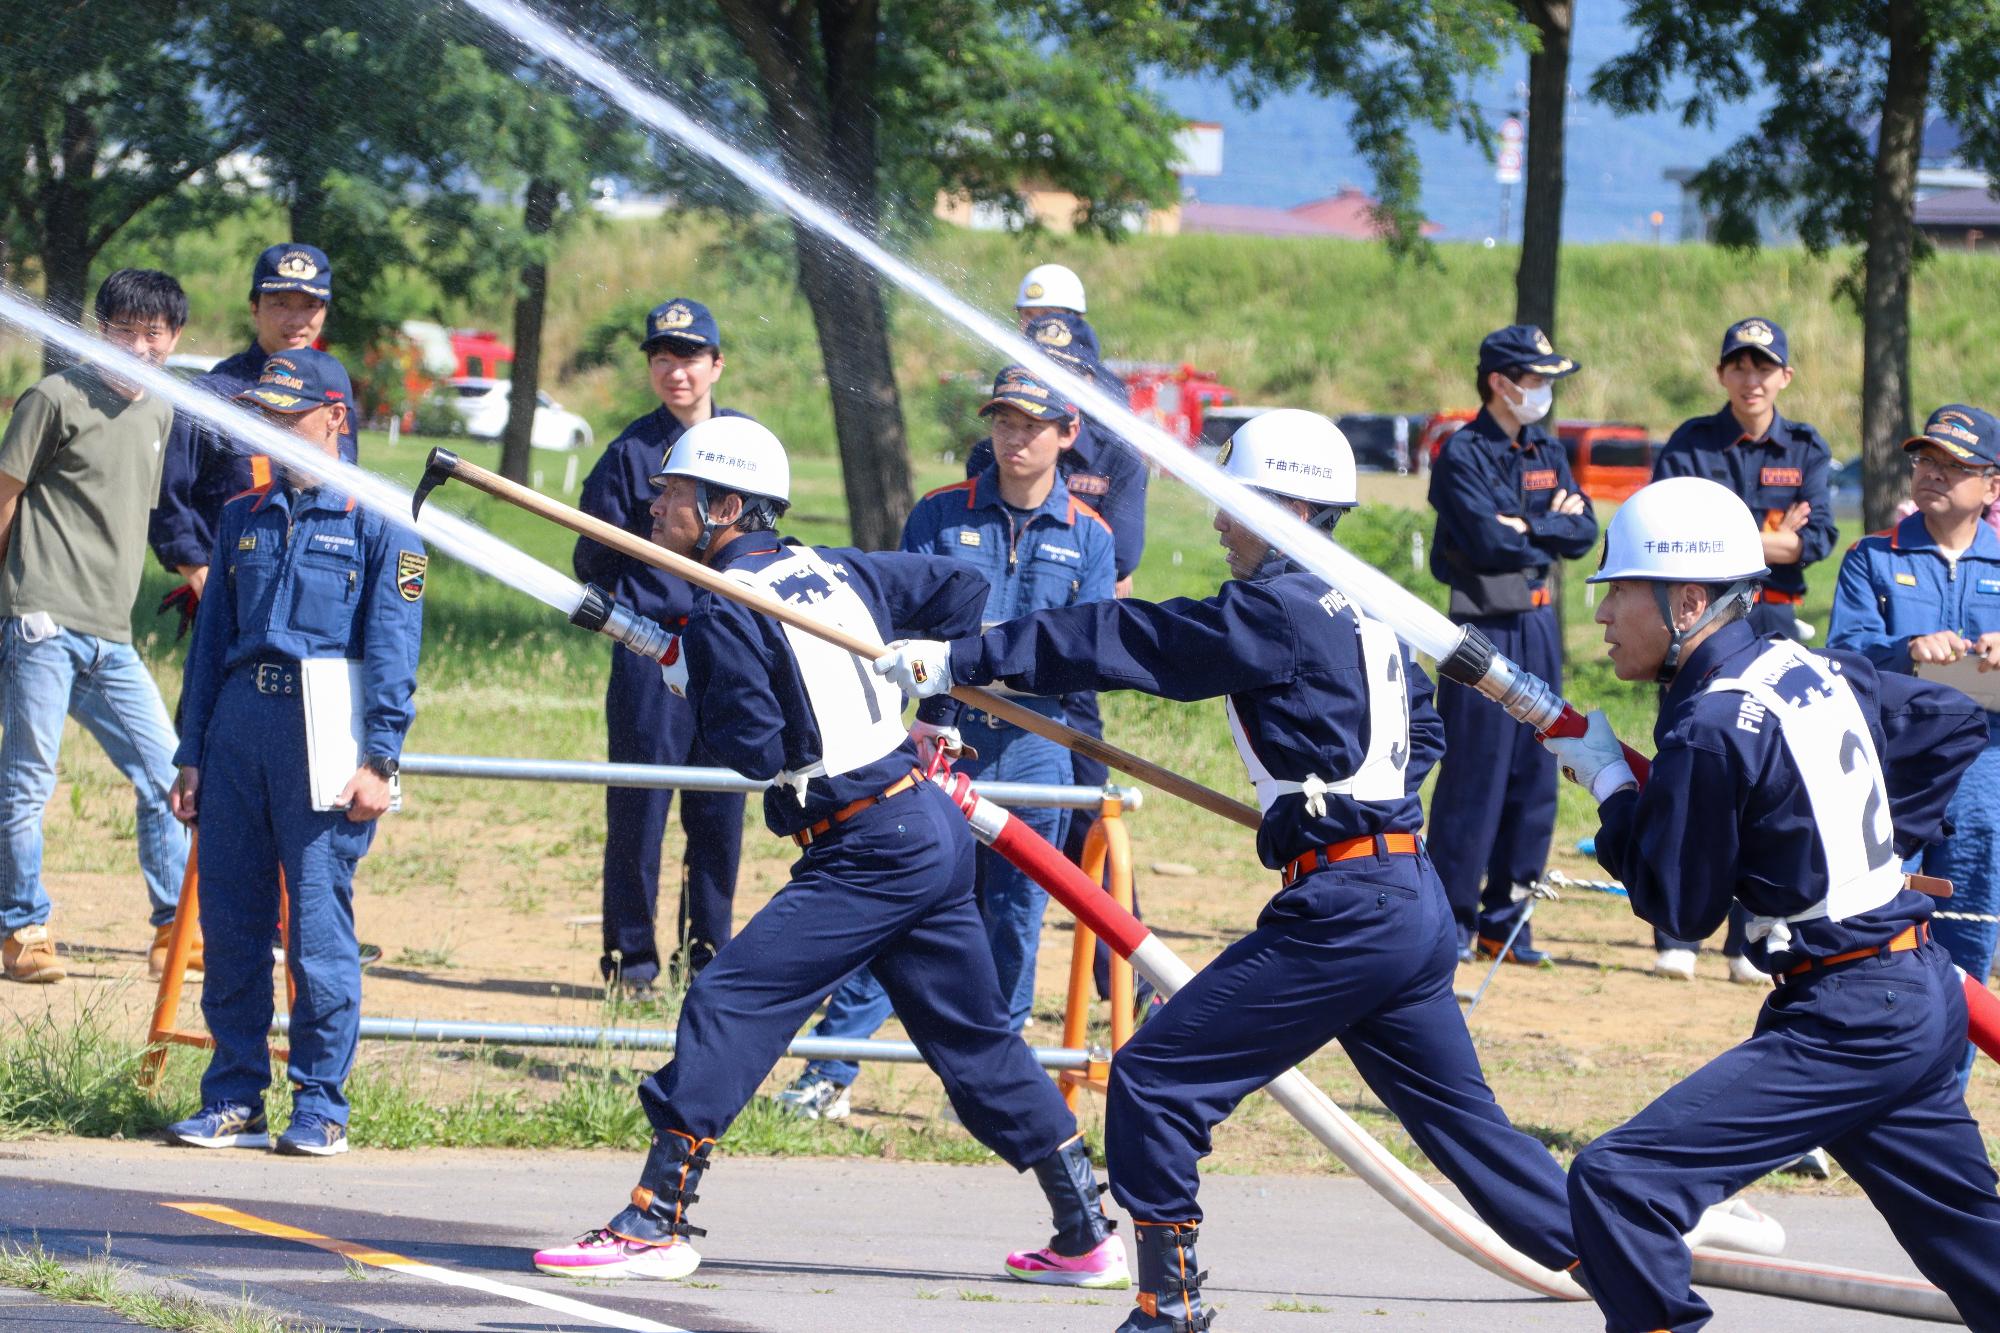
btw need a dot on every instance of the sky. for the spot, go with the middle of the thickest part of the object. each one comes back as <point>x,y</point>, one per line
<point>1295,148</point>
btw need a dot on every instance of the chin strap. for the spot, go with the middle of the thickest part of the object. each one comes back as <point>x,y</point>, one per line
<point>1739,590</point>
<point>1323,521</point>
<point>708,529</point>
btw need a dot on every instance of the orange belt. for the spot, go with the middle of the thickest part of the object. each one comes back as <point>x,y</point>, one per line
<point>1776,598</point>
<point>1911,938</point>
<point>1380,844</point>
<point>1540,596</point>
<point>804,837</point>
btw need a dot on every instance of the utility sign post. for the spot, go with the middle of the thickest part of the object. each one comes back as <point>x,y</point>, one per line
<point>1507,168</point>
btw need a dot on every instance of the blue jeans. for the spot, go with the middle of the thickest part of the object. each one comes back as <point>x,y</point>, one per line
<point>107,689</point>
<point>1970,859</point>
<point>1010,903</point>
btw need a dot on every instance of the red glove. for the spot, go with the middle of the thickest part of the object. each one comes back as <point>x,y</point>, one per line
<point>185,600</point>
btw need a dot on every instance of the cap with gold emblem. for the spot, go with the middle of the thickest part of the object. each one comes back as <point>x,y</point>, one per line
<point>1967,434</point>
<point>1523,347</point>
<point>684,326</point>
<point>293,268</point>
<point>1761,336</point>
<point>299,381</point>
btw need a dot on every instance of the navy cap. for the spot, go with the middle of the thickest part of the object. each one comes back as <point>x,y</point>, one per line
<point>1017,387</point>
<point>1067,337</point>
<point>293,382</point>
<point>1523,347</point>
<point>1761,336</point>
<point>684,323</point>
<point>293,268</point>
<point>1966,433</point>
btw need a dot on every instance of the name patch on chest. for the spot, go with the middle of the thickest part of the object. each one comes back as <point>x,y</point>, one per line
<point>1087,483</point>
<point>247,542</point>
<point>1061,553</point>
<point>1989,586</point>
<point>331,543</point>
<point>1907,580</point>
<point>1539,479</point>
<point>1781,476</point>
<point>968,538</point>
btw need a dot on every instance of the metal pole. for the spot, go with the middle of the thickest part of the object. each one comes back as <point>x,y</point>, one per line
<point>653,1039</point>
<point>679,778</point>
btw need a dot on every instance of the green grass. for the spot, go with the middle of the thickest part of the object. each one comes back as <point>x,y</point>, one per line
<point>101,1283</point>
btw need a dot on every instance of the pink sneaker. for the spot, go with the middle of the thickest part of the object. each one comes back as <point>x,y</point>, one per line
<point>605,1254</point>
<point>1099,1269</point>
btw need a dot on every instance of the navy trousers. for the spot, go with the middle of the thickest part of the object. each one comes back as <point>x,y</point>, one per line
<point>1362,952</point>
<point>256,816</point>
<point>649,725</point>
<point>1861,1059</point>
<point>1493,810</point>
<point>892,888</point>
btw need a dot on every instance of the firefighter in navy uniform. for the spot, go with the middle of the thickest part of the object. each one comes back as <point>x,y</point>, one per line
<point>1507,509</point>
<point>1334,723</point>
<point>1779,469</point>
<point>886,877</point>
<point>1795,783</point>
<point>644,723</point>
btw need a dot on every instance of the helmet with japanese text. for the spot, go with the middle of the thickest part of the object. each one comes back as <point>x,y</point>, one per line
<point>1293,453</point>
<point>734,453</point>
<point>1682,530</point>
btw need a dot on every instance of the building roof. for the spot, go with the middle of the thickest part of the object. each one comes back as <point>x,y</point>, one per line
<point>1958,208</point>
<point>1349,214</point>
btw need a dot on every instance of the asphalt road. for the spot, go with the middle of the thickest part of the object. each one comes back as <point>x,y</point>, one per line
<point>830,1246</point>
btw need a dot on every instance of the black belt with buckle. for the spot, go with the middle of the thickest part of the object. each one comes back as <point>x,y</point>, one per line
<point>276,677</point>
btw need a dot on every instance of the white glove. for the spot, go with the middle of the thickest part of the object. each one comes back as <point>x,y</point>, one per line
<point>674,667</point>
<point>919,667</point>
<point>1595,760</point>
<point>931,738</point>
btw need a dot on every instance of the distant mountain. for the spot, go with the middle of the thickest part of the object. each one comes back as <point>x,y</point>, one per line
<point>1296,147</point>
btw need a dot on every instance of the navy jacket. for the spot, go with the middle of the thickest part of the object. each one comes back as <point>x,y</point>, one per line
<point>619,490</point>
<point>1103,474</point>
<point>1480,473</point>
<point>1725,817</point>
<point>1282,646</point>
<point>751,710</point>
<point>1788,465</point>
<point>201,473</point>
<point>297,574</point>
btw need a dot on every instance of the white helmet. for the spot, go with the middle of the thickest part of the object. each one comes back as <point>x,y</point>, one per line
<point>1682,530</point>
<point>1294,453</point>
<point>734,453</point>
<point>1053,286</point>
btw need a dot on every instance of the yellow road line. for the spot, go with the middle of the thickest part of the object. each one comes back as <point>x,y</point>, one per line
<point>365,1254</point>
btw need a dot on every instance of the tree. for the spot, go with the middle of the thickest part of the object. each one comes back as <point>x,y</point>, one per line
<point>1542,200</point>
<point>99,119</point>
<point>1853,81</point>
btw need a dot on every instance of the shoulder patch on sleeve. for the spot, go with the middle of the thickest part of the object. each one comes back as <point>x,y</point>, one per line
<point>410,569</point>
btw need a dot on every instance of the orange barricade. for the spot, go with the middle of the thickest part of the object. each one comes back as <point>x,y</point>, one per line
<point>1108,844</point>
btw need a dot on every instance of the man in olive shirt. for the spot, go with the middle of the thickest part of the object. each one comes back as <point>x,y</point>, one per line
<point>79,471</point>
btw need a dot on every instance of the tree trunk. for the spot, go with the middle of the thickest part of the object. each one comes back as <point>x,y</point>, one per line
<point>1542,202</point>
<point>63,201</point>
<point>1885,300</point>
<point>544,196</point>
<point>66,276</point>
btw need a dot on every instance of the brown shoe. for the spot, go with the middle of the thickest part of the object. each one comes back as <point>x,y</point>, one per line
<point>156,957</point>
<point>30,955</point>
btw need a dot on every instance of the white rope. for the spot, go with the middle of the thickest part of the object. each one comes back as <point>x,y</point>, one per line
<point>1556,879</point>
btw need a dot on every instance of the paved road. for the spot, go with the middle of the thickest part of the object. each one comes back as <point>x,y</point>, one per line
<point>831,1246</point>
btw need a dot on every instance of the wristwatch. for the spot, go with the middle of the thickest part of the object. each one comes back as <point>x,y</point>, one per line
<point>381,766</point>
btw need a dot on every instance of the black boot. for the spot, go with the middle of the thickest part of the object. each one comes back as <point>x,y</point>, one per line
<point>1072,1188</point>
<point>1169,1282</point>
<point>658,1211</point>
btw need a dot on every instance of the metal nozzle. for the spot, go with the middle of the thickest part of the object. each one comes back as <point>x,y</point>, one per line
<point>600,615</point>
<point>1526,697</point>
<point>438,469</point>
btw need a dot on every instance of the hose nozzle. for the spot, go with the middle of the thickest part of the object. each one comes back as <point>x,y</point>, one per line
<point>1526,697</point>
<point>600,615</point>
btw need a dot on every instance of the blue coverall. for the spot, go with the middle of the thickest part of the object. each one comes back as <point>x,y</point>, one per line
<point>1361,950</point>
<point>1859,1057</point>
<point>293,575</point>
<point>647,724</point>
<point>1494,807</point>
<point>1896,586</point>
<point>891,886</point>
<point>201,472</point>
<point>1060,555</point>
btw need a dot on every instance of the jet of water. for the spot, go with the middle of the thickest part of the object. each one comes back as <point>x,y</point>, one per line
<point>1414,620</point>
<point>249,430</point>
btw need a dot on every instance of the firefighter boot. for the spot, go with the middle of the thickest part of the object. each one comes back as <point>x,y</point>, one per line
<point>1083,1252</point>
<point>1169,1282</point>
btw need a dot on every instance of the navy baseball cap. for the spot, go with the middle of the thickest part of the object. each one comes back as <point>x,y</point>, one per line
<point>1761,336</point>
<point>293,268</point>
<point>1067,337</point>
<point>1523,347</point>
<point>684,324</point>
<point>1966,433</point>
<point>294,382</point>
<point>1017,387</point>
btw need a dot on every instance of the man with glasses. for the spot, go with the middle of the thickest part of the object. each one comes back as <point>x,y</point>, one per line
<point>1923,595</point>
<point>79,469</point>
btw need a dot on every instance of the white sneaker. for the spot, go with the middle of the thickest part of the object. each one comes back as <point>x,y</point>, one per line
<point>604,1254</point>
<point>1746,973</point>
<point>1675,963</point>
<point>1815,1163</point>
<point>814,1098</point>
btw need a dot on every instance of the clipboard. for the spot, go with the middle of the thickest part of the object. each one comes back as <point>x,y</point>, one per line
<point>333,730</point>
<point>1965,675</point>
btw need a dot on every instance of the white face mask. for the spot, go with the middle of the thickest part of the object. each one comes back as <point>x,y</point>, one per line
<point>1534,404</point>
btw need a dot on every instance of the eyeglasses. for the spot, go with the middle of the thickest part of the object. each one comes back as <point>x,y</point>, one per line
<point>1945,468</point>
<point>151,332</point>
